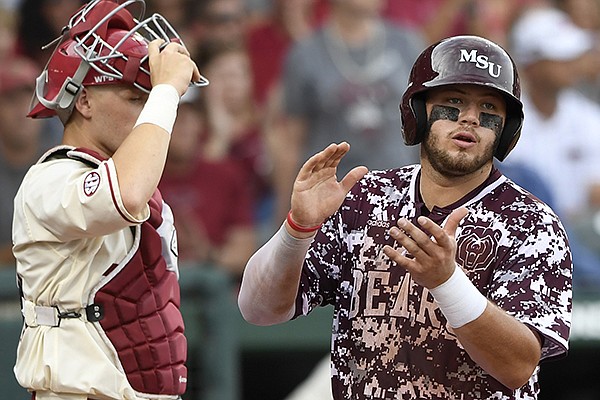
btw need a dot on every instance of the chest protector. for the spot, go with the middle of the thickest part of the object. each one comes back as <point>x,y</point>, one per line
<point>140,301</point>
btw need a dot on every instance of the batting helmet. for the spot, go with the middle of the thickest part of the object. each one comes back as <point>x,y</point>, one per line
<point>462,60</point>
<point>102,44</point>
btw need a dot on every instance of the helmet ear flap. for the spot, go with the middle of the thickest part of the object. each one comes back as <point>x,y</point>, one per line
<point>420,112</point>
<point>414,119</point>
<point>511,131</point>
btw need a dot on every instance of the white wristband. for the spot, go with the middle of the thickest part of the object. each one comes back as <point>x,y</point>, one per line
<point>459,300</point>
<point>160,108</point>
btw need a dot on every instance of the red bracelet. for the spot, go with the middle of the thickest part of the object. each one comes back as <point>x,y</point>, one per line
<point>299,228</point>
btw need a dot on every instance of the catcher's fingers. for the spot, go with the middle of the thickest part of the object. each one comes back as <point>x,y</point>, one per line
<point>196,76</point>
<point>174,46</point>
<point>154,47</point>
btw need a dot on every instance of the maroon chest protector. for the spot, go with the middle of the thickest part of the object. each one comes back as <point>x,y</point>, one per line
<point>142,321</point>
<point>137,302</point>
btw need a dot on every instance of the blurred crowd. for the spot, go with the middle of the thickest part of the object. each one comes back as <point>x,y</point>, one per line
<point>288,77</point>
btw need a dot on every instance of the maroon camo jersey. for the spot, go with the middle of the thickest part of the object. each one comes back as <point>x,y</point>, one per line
<point>390,340</point>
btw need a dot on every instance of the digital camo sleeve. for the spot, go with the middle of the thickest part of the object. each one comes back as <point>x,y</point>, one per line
<point>537,286</point>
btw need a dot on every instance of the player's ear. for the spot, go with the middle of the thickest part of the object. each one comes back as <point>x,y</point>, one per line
<point>83,104</point>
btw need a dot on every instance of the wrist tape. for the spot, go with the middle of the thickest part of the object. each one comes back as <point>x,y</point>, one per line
<point>160,108</point>
<point>459,300</point>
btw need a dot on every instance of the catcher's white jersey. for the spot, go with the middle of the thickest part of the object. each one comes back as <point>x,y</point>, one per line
<point>70,226</point>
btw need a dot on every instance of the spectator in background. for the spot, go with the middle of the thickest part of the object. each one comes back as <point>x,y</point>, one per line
<point>493,18</point>
<point>232,118</point>
<point>343,83</point>
<point>583,13</point>
<point>40,22</point>
<point>561,134</point>
<point>586,15</point>
<point>8,35</point>
<point>213,210</point>
<point>177,12</point>
<point>562,124</point>
<point>22,141</point>
<point>435,18</point>
<point>220,21</point>
<point>268,42</point>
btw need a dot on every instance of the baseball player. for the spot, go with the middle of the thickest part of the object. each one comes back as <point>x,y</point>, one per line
<point>448,281</point>
<point>94,242</point>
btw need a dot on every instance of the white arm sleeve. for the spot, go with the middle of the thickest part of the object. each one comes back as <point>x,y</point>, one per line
<point>271,278</point>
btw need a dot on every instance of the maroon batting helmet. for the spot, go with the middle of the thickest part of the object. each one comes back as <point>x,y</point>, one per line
<point>462,60</point>
<point>102,44</point>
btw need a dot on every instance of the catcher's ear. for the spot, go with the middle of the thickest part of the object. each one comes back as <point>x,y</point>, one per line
<point>83,103</point>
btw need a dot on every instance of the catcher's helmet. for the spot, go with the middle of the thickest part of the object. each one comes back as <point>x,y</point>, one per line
<point>462,60</point>
<point>102,44</point>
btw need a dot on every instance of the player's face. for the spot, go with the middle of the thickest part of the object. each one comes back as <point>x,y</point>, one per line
<point>465,123</point>
<point>116,108</point>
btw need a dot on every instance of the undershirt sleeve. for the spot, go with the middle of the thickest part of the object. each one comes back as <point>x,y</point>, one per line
<point>281,256</point>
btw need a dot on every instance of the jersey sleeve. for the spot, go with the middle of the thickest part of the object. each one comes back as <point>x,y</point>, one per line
<point>65,200</point>
<point>536,288</point>
<point>321,272</point>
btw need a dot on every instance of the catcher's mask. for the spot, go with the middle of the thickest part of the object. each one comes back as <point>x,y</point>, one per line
<point>462,60</point>
<point>102,44</point>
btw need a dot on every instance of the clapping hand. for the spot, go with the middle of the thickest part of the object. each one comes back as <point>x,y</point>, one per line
<point>317,193</point>
<point>429,259</point>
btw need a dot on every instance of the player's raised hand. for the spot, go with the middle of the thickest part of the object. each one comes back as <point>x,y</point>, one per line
<point>317,193</point>
<point>171,64</point>
<point>430,259</point>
